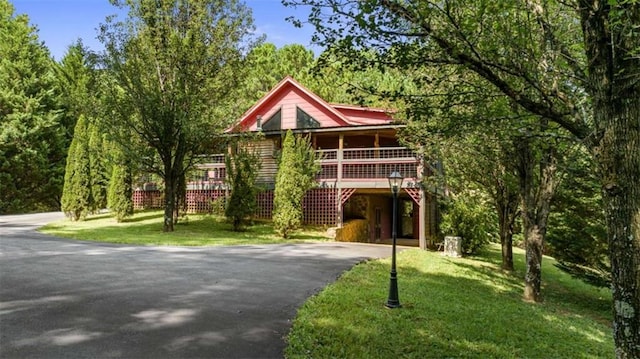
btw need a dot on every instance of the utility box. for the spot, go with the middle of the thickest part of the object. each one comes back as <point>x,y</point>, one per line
<point>453,246</point>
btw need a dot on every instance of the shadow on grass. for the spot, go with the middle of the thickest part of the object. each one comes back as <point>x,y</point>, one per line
<point>97,217</point>
<point>199,230</point>
<point>557,287</point>
<point>442,316</point>
<point>146,216</point>
<point>311,237</point>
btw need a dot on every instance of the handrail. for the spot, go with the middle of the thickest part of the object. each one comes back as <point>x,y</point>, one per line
<point>368,154</point>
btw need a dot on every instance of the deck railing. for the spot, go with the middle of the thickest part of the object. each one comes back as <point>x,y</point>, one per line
<point>217,158</point>
<point>367,163</point>
<point>347,164</point>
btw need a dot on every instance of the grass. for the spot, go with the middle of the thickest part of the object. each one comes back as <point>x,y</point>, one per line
<point>145,228</point>
<point>453,307</point>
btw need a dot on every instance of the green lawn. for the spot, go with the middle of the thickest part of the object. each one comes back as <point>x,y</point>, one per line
<point>453,308</point>
<point>145,228</point>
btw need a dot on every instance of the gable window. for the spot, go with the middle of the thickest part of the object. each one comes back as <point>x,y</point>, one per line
<point>303,120</point>
<point>274,123</point>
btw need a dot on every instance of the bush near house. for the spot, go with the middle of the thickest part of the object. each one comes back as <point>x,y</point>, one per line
<point>296,175</point>
<point>467,216</point>
<point>355,230</point>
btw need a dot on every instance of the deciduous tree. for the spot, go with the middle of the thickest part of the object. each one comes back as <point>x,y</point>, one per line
<point>175,66</point>
<point>572,63</point>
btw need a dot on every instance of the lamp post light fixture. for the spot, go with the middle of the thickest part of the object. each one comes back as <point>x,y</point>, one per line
<point>395,182</point>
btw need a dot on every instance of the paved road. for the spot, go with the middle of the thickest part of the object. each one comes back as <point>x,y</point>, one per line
<point>71,299</point>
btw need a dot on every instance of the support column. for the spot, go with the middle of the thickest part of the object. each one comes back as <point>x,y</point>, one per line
<point>339,182</point>
<point>422,220</point>
<point>422,212</point>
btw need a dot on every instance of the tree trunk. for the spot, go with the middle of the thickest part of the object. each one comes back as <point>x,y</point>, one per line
<point>613,63</point>
<point>534,240</point>
<point>536,205</point>
<point>619,158</point>
<point>169,196</point>
<point>180,203</point>
<point>506,203</point>
<point>506,241</point>
<point>507,252</point>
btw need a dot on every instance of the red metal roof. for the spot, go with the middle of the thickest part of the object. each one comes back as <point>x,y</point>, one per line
<point>288,95</point>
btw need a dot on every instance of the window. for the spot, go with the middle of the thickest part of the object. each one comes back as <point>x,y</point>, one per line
<point>274,122</point>
<point>303,120</point>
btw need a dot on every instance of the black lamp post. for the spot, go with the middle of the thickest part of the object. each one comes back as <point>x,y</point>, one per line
<point>395,182</point>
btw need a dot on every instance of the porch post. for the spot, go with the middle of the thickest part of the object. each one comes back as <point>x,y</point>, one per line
<point>339,182</point>
<point>422,211</point>
<point>422,220</point>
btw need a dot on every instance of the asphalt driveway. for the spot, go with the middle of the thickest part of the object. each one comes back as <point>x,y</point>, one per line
<point>70,299</point>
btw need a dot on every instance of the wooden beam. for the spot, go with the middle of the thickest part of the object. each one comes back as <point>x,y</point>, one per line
<point>339,182</point>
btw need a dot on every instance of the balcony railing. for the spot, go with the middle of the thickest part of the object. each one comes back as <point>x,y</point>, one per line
<point>367,163</point>
<point>214,159</point>
<point>352,164</point>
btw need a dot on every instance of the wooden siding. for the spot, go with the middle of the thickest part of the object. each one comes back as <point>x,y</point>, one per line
<point>288,101</point>
<point>296,98</point>
<point>267,150</point>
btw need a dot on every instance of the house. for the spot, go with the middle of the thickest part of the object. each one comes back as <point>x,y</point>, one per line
<point>359,149</point>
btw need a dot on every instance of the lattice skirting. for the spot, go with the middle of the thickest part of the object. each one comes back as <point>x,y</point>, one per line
<point>319,205</point>
<point>199,200</point>
<point>147,199</point>
<point>265,205</point>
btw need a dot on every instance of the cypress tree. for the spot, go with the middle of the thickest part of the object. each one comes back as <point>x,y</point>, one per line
<point>32,142</point>
<point>242,172</point>
<point>76,194</point>
<point>296,175</point>
<point>99,170</point>
<point>119,199</point>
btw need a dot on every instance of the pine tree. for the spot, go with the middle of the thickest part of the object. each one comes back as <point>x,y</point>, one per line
<point>119,199</point>
<point>296,175</point>
<point>242,172</point>
<point>32,146</point>
<point>76,194</point>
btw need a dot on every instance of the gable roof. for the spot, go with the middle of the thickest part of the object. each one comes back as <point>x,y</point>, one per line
<point>286,85</point>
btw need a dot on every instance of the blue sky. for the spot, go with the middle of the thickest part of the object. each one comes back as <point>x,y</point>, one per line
<point>62,22</point>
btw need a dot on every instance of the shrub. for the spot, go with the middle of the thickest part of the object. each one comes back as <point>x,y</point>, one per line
<point>77,201</point>
<point>296,174</point>
<point>469,217</point>
<point>218,206</point>
<point>119,197</point>
<point>242,172</point>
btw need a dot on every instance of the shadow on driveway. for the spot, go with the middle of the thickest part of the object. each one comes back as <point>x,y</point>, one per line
<point>67,299</point>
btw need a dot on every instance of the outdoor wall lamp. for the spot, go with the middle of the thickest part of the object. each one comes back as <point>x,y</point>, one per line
<point>395,182</point>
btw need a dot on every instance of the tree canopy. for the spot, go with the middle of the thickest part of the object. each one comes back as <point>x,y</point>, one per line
<point>175,66</point>
<point>32,142</point>
<point>574,64</point>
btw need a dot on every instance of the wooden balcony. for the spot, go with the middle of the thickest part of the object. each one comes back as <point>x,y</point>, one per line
<point>353,167</point>
<point>366,167</point>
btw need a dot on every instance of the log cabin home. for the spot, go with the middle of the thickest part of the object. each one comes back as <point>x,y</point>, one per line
<point>358,149</point>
